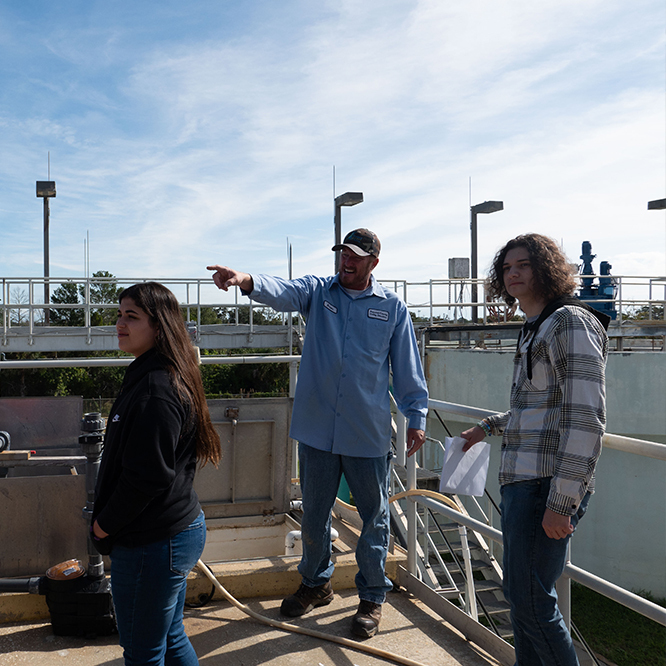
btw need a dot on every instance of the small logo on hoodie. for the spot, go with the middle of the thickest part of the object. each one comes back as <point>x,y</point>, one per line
<point>116,418</point>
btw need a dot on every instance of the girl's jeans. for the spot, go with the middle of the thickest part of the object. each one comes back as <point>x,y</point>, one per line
<point>148,584</point>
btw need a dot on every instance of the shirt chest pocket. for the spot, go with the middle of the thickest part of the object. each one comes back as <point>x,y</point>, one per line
<point>539,380</point>
<point>375,333</point>
<point>541,368</point>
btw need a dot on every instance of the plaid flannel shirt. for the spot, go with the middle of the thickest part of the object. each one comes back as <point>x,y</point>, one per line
<point>556,421</point>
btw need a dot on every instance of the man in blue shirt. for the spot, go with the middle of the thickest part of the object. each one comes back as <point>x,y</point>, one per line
<point>356,329</point>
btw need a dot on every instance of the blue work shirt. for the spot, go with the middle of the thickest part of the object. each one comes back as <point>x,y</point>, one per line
<point>342,402</point>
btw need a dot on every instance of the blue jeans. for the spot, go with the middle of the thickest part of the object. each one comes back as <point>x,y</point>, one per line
<point>148,584</point>
<point>368,480</point>
<point>532,564</point>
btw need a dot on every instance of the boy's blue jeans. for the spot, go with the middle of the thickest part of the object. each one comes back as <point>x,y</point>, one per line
<point>148,585</point>
<point>532,564</point>
<point>368,480</point>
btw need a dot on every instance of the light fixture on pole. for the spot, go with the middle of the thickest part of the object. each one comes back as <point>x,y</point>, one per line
<point>485,207</point>
<point>46,189</point>
<point>657,204</point>
<point>346,199</point>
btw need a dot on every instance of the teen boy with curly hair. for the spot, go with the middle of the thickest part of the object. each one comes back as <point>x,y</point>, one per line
<point>551,438</point>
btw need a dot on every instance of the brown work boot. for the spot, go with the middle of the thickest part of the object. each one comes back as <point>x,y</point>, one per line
<point>306,598</point>
<point>366,621</point>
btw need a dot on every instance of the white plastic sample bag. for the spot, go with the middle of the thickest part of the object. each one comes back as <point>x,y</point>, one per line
<point>464,473</point>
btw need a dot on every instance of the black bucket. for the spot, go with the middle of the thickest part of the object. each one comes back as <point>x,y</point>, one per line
<point>79,607</point>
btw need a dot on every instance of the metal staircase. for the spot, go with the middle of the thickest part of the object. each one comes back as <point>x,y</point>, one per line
<point>492,608</point>
<point>457,563</point>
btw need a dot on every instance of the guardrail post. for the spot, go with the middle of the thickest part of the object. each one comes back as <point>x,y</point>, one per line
<point>401,423</point>
<point>31,318</point>
<point>293,378</point>
<point>5,312</point>
<point>470,590</point>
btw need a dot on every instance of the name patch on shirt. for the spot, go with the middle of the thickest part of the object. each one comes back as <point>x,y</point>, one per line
<point>382,315</point>
<point>331,307</point>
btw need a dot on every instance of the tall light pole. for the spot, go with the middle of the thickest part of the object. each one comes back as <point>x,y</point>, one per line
<point>46,189</point>
<point>346,199</point>
<point>485,207</point>
<point>657,204</point>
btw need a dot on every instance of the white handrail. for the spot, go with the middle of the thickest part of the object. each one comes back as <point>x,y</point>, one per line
<point>604,587</point>
<point>635,291</point>
<point>640,447</point>
<point>100,362</point>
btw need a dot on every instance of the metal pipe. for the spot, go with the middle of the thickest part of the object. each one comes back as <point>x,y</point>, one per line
<point>475,298</point>
<point>123,361</point>
<point>46,260</point>
<point>612,591</point>
<point>412,524</point>
<point>337,223</point>
<point>91,441</point>
<point>470,592</point>
<point>17,585</point>
<point>295,535</point>
<point>640,447</point>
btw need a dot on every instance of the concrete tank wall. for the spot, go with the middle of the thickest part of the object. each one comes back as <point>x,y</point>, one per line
<point>41,518</point>
<point>41,523</point>
<point>623,536</point>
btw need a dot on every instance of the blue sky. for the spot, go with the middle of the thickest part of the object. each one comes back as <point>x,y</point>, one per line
<point>187,133</point>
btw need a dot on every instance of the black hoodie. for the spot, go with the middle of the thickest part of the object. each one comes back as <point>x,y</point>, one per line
<point>144,488</point>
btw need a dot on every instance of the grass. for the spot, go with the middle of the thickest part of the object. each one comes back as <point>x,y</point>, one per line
<point>617,633</point>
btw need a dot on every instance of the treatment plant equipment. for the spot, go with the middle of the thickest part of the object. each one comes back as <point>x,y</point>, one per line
<point>79,599</point>
<point>600,296</point>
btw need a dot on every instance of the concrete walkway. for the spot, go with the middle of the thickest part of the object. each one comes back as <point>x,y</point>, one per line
<point>222,634</point>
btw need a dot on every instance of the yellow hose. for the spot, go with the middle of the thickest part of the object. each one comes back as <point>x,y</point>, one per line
<point>408,493</point>
<point>285,626</point>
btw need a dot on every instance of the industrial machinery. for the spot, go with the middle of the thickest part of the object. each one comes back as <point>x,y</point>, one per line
<point>79,599</point>
<point>600,296</point>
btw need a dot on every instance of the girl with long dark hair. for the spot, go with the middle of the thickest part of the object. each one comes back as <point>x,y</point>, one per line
<point>147,515</point>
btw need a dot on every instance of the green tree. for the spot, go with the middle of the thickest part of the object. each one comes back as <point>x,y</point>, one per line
<point>104,290</point>
<point>87,382</point>
<point>646,312</point>
<point>66,293</point>
<point>208,315</point>
<point>260,316</point>
<point>257,378</point>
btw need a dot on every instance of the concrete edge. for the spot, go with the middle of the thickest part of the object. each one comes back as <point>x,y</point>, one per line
<point>244,579</point>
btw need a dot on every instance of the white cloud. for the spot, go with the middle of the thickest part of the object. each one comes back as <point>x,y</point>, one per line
<point>177,150</point>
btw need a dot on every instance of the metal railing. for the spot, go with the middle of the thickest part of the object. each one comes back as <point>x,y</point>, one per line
<point>654,450</point>
<point>433,301</point>
<point>23,307</point>
<point>450,300</point>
